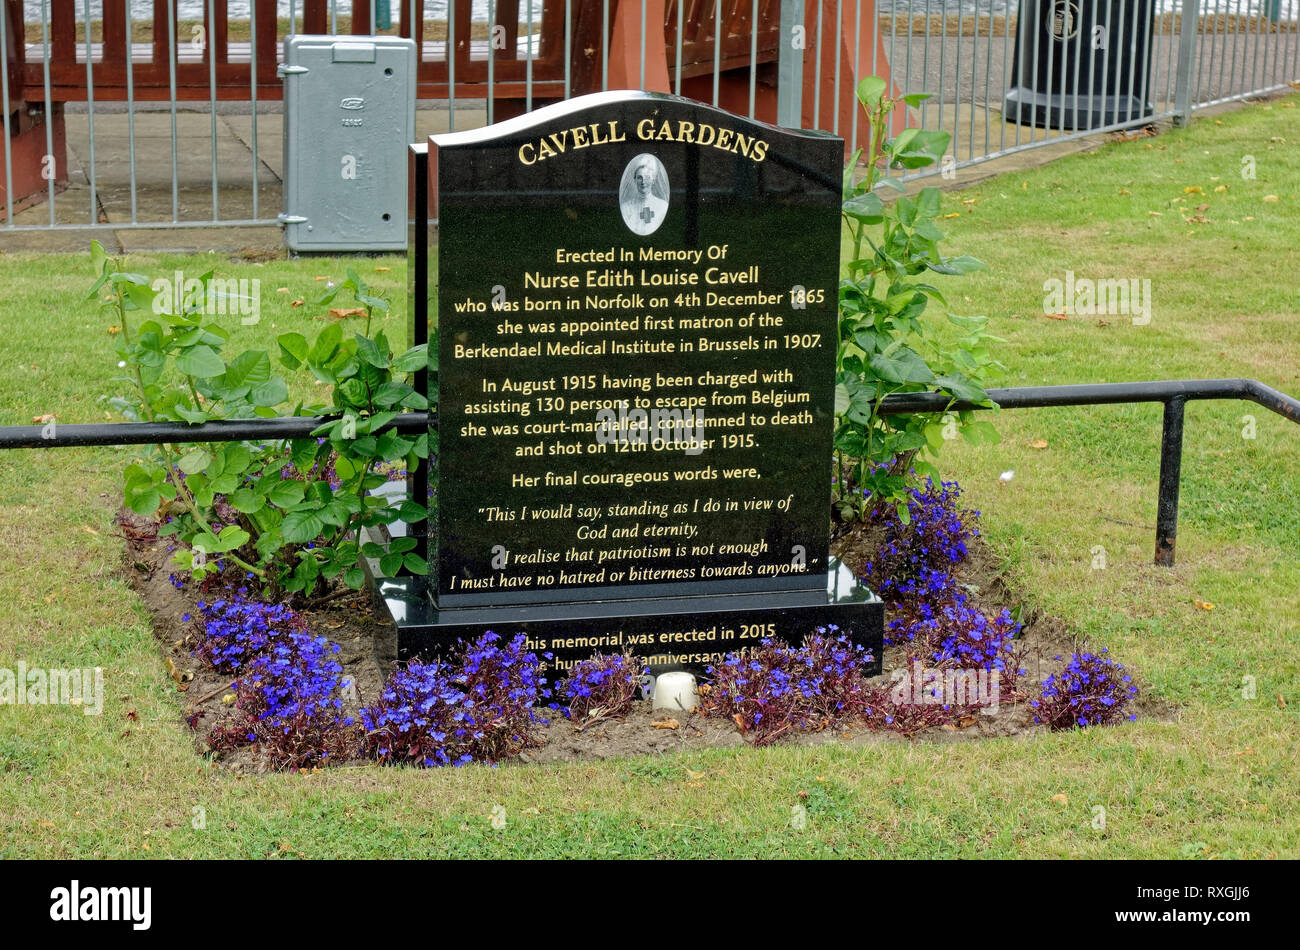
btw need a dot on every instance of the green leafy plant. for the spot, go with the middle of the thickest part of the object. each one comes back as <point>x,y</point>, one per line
<point>290,513</point>
<point>369,391</point>
<point>889,339</point>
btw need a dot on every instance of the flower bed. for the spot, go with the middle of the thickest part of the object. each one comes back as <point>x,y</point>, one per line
<point>272,691</point>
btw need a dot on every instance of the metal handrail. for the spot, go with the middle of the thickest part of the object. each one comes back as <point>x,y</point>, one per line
<point>1173,394</point>
<point>75,436</point>
<point>1099,394</point>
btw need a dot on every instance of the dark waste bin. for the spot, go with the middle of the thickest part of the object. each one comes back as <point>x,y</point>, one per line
<point>1080,64</point>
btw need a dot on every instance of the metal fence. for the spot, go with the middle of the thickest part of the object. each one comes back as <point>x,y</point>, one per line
<point>136,115</point>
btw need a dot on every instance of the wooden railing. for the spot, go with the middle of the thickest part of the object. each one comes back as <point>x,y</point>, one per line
<point>189,53</point>
<point>152,63</point>
<point>699,24</point>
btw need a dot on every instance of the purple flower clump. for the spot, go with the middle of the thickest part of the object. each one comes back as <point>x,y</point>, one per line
<point>773,688</point>
<point>1093,690</point>
<point>480,707</point>
<point>927,546</point>
<point>603,685</point>
<point>419,719</point>
<point>236,629</point>
<point>502,684</point>
<point>953,632</point>
<point>290,703</point>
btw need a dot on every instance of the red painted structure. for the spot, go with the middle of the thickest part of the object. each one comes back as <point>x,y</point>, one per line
<point>589,58</point>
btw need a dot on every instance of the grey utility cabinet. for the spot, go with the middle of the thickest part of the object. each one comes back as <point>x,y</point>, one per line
<point>349,117</point>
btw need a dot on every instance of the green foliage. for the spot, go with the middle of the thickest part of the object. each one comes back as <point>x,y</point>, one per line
<point>272,509</point>
<point>886,343</point>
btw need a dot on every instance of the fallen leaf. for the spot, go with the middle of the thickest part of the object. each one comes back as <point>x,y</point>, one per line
<point>1246,752</point>
<point>802,794</point>
<point>182,677</point>
<point>228,699</point>
<point>740,723</point>
<point>342,312</point>
<point>1271,199</point>
<point>112,331</point>
<point>89,530</point>
<point>1154,214</point>
<point>1281,703</point>
<point>1202,207</point>
<point>296,303</point>
<point>1061,798</point>
<point>1204,604</point>
<point>666,724</point>
<point>1038,444</point>
<point>48,417</point>
<point>125,733</point>
<point>320,278</point>
<point>965,722</point>
<point>694,784</point>
<point>132,715</point>
<point>1193,190</point>
<point>383,270</point>
<point>1125,191</point>
<point>45,824</point>
<point>1103,323</point>
<point>955,214</point>
<point>282,290</point>
<point>1056,316</point>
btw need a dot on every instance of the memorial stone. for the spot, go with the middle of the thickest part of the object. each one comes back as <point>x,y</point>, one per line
<point>634,298</point>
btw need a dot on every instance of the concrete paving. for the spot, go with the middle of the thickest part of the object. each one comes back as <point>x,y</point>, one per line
<point>151,197</point>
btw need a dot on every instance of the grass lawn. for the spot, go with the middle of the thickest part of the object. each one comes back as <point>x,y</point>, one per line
<point>1220,781</point>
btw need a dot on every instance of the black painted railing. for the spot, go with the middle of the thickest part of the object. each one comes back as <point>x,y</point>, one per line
<point>1173,394</point>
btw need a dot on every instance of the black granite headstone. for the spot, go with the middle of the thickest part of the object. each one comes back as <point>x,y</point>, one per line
<point>636,311</point>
